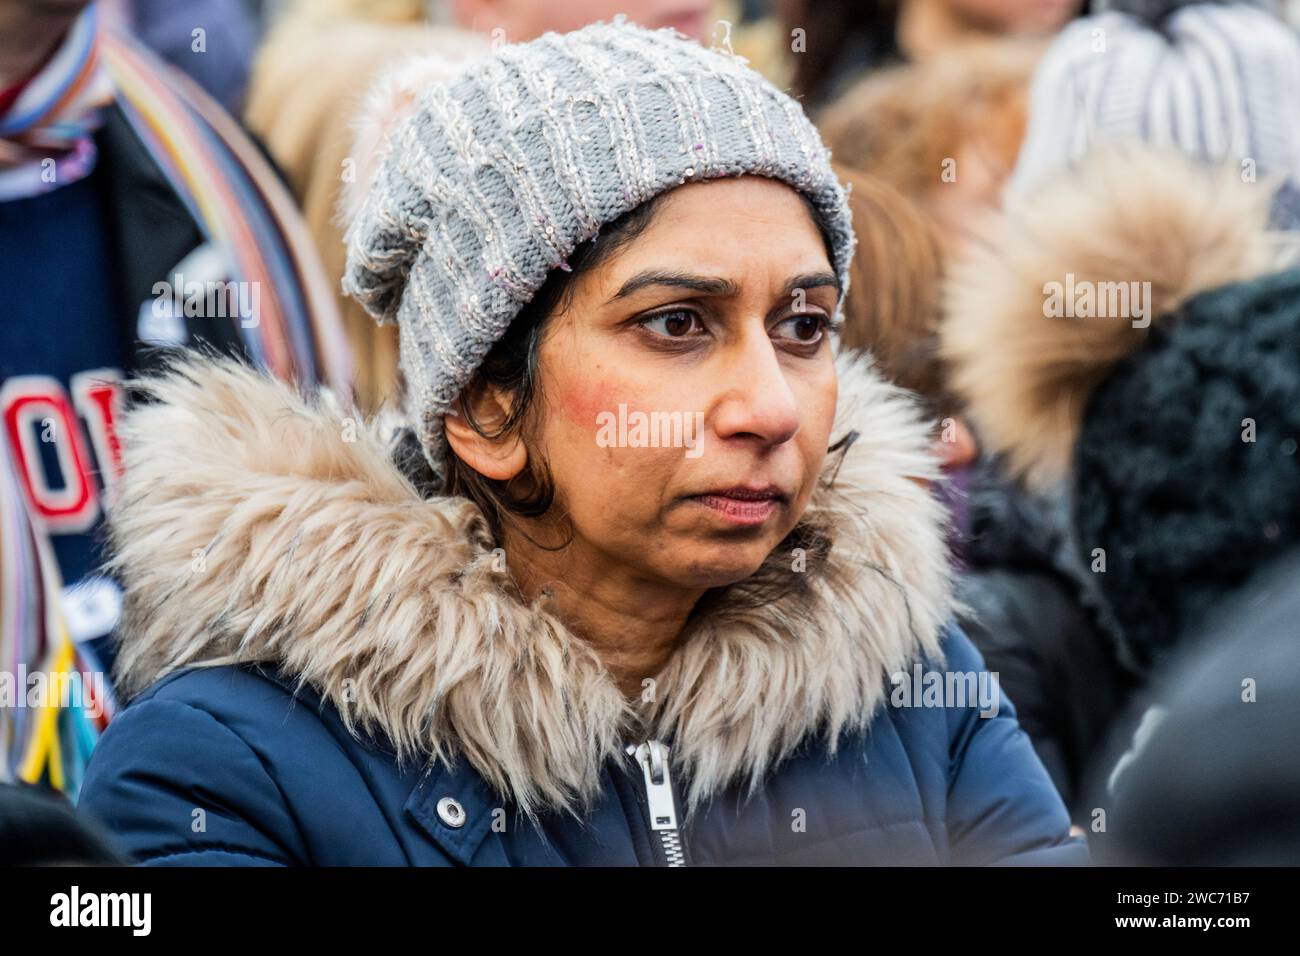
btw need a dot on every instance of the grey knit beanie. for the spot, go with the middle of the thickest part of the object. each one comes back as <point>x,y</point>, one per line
<point>1215,81</point>
<point>495,177</point>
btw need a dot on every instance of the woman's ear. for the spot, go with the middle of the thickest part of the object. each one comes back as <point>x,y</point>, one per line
<point>500,458</point>
<point>957,447</point>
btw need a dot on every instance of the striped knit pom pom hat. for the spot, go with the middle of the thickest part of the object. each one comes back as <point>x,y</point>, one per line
<point>492,178</point>
<point>1215,81</point>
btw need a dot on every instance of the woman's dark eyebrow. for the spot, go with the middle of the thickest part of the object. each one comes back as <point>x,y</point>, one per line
<point>812,280</point>
<point>711,285</point>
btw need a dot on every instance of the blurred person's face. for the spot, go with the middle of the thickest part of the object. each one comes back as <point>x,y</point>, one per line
<point>985,153</point>
<point>29,30</point>
<point>523,20</point>
<point>1016,17</point>
<point>36,10</point>
<point>695,321</point>
<point>958,207</point>
<point>956,446</point>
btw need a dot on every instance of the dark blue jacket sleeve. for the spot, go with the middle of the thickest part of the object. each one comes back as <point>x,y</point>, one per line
<point>1003,808</point>
<point>177,787</point>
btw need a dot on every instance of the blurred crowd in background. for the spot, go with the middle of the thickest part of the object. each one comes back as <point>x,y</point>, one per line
<point>1125,494</point>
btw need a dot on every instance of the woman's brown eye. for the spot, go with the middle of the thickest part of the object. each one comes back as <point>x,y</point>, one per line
<point>805,328</point>
<point>671,324</point>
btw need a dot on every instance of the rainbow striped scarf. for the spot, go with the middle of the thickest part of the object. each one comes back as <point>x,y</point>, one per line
<point>47,134</point>
<point>241,208</point>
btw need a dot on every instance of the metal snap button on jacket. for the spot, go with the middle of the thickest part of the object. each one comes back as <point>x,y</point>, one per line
<point>451,812</point>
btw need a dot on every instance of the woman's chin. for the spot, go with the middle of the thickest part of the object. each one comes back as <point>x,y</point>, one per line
<point>719,566</point>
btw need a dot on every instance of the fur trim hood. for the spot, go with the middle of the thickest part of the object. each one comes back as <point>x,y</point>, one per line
<point>255,525</point>
<point>1123,216</point>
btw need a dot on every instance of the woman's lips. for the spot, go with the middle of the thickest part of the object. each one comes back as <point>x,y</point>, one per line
<point>743,507</point>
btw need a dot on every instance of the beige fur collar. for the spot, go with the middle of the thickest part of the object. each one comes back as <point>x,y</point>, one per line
<point>253,525</point>
<point>1123,215</point>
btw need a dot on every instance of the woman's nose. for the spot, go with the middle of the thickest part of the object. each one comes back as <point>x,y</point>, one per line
<point>757,402</point>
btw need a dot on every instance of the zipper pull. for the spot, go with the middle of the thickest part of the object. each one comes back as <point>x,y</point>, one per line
<point>653,758</point>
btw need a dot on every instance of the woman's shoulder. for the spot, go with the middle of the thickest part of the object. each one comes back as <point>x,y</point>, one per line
<point>240,697</point>
<point>219,764</point>
<point>950,685</point>
<point>1001,805</point>
<point>253,704</point>
<point>186,761</point>
<point>223,686</point>
<point>950,698</point>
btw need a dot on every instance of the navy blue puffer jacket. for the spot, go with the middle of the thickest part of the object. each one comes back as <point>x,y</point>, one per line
<point>327,668</point>
<point>279,780</point>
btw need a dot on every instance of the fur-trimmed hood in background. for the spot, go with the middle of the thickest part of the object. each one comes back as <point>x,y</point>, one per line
<point>1122,214</point>
<point>253,525</point>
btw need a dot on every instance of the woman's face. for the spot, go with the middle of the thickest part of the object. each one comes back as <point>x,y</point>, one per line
<point>526,19</point>
<point>707,336</point>
<point>1017,17</point>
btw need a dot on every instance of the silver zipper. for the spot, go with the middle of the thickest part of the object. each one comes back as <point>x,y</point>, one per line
<point>653,758</point>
